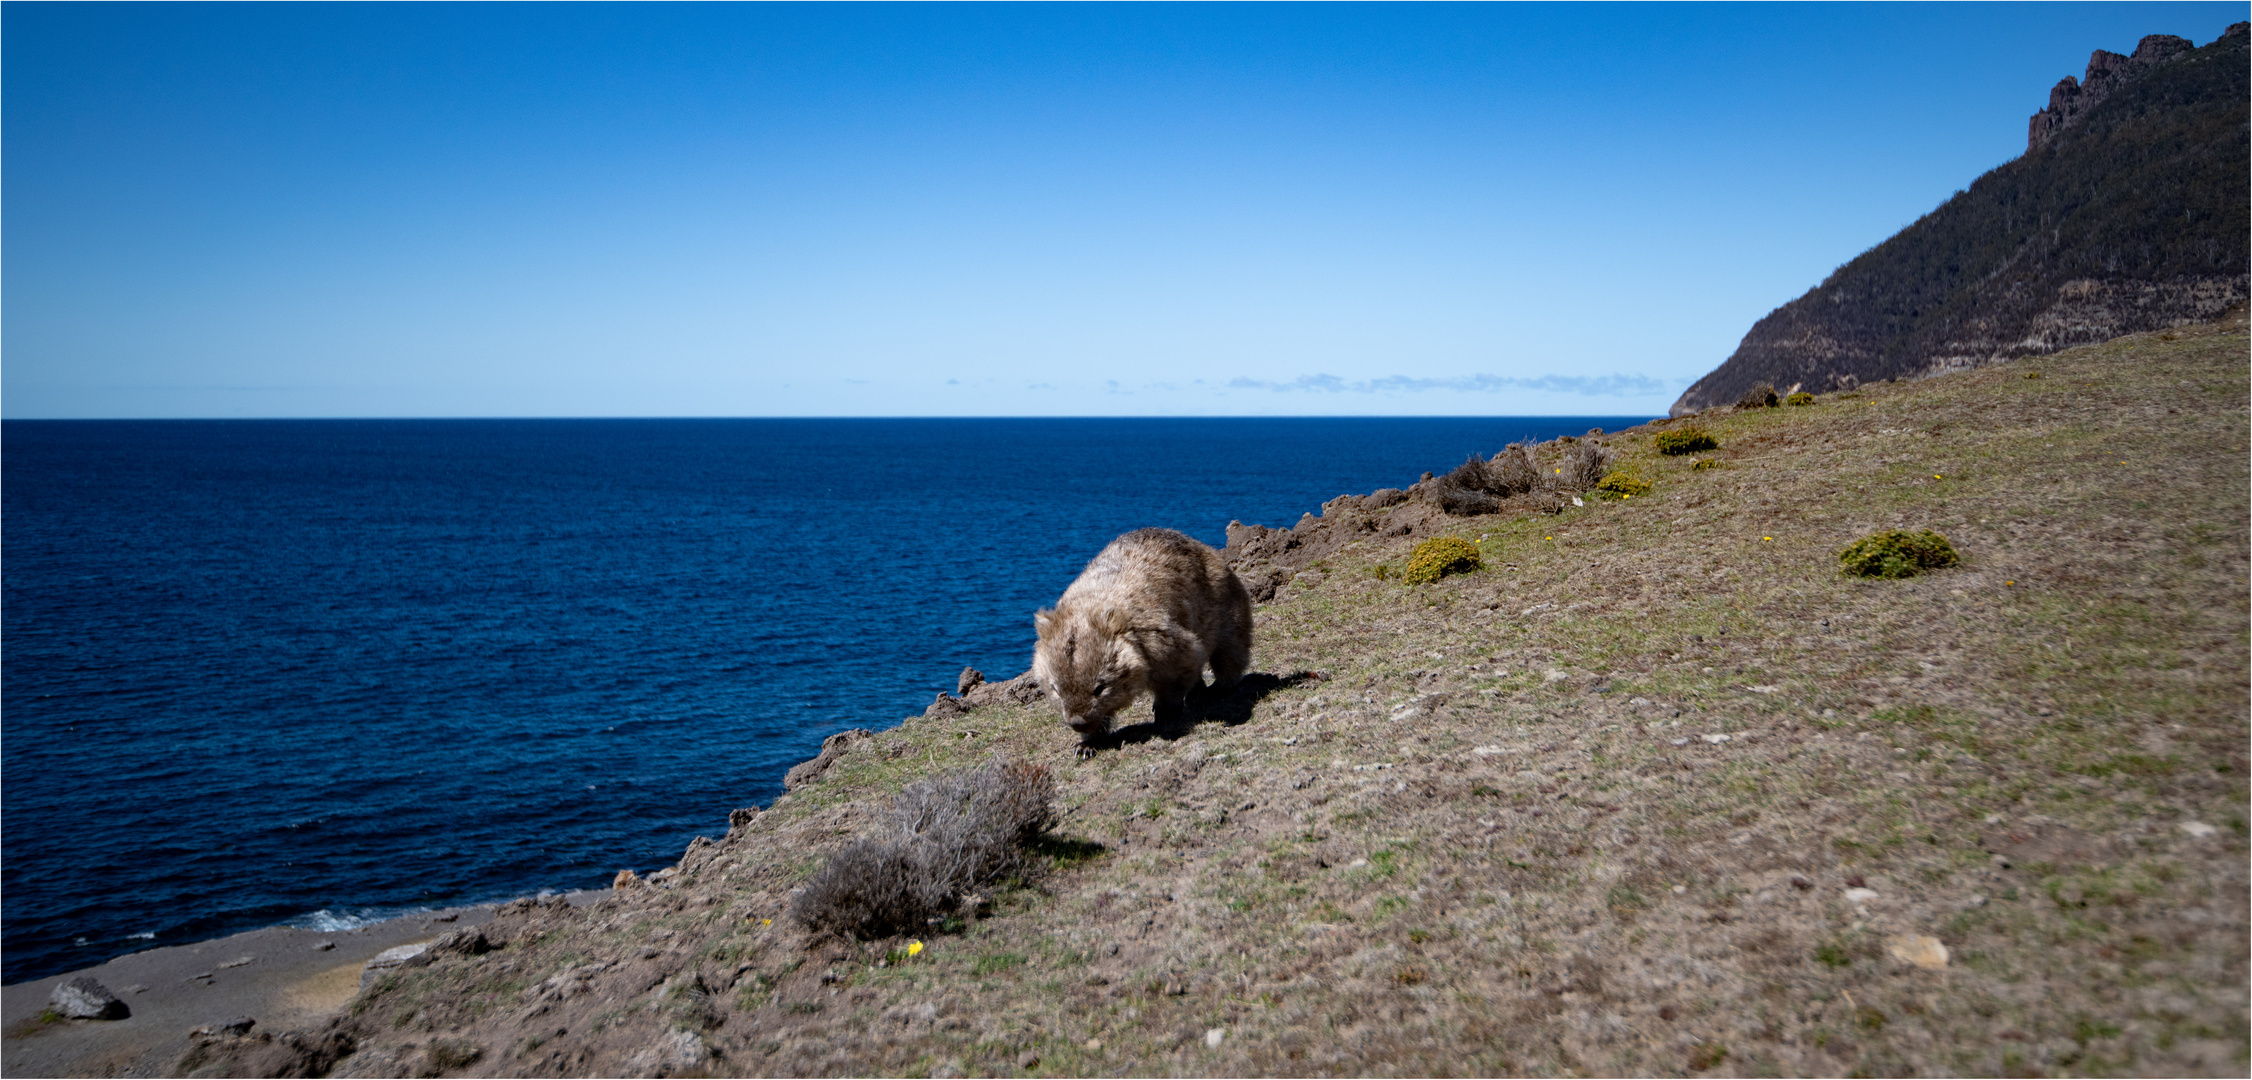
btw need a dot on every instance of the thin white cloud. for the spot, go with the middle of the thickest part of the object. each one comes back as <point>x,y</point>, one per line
<point>1587,386</point>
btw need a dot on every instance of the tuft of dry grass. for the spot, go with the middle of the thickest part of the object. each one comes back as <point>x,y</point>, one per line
<point>944,837</point>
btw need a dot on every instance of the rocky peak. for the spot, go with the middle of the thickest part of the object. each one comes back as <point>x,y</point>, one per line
<point>2107,72</point>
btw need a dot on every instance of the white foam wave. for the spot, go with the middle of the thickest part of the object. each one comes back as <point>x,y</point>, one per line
<point>339,922</point>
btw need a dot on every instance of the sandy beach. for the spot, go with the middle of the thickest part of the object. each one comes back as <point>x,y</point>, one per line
<point>285,978</point>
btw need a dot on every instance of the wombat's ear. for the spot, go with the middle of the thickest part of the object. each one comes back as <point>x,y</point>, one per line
<point>1044,621</point>
<point>1112,621</point>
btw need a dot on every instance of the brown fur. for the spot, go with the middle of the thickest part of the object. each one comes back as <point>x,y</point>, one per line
<point>1146,616</point>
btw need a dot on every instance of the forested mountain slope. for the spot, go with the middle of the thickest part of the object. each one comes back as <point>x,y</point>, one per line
<point>2126,214</point>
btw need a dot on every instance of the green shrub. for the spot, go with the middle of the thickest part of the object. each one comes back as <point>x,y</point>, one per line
<point>1897,554</point>
<point>1760,396</point>
<point>1688,440</point>
<point>1623,486</point>
<point>1708,463</point>
<point>1436,558</point>
<point>1800,398</point>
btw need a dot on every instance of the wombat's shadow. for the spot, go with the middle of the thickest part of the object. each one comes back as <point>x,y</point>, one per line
<point>1205,706</point>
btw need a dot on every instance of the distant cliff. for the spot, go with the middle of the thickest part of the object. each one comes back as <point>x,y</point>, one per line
<point>2127,212</point>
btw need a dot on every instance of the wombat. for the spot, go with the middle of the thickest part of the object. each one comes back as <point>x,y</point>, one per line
<point>1146,616</point>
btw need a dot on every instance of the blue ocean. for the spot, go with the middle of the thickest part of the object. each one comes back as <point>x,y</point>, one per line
<point>318,672</point>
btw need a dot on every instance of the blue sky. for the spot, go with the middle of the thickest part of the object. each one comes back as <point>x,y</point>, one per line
<point>875,210</point>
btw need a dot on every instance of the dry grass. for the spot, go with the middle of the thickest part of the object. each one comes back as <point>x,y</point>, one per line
<point>1603,806</point>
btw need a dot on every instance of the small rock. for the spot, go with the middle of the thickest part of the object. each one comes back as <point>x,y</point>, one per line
<point>1679,889</point>
<point>240,1025</point>
<point>324,946</point>
<point>1800,882</point>
<point>1918,949</point>
<point>1356,864</point>
<point>2198,829</point>
<point>402,956</point>
<point>1977,900</point>
<point>1716,740</point>
<point>237,962</point>
<point>1094,1044</point>
<point>1028,1060</point>
<point>1638,701</point>
<point>1681,742</point>
<point>969,680</point>
<point>136,989</point>
<point>1554,675</point>
<point>84,999</point>
<point>626,879</point>
<point>1214,1037</point>
<point>1858,897</point>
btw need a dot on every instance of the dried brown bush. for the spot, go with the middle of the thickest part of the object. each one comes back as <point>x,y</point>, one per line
<point>1513,470</point>
<point>1468,489</point>
<point>943,837</point>
<point>1584,466</point>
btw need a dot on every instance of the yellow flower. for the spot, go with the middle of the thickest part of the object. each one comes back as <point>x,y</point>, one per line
<point>914,947</point>
<point>764,923</point>
<point>1767,538</point>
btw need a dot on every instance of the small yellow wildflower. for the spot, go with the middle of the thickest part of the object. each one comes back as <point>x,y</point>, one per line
<point>1767,538</point>
<point>914,948</point>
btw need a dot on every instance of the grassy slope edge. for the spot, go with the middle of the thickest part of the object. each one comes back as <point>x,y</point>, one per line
<point>1594,808</point>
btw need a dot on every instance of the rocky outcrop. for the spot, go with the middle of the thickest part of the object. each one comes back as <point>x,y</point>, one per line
<point>832,748</point>
<point>2128,213</point>
<point>2107,72</point>
<point>83,998</point>
<point>1520,479</point>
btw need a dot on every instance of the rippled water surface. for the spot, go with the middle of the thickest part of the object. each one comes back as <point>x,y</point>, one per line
<point>268,671</point>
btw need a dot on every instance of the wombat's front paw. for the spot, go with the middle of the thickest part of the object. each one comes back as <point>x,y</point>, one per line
<point>1086,751</point>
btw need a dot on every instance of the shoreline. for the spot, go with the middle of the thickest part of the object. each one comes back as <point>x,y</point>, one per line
<point>283,977</point>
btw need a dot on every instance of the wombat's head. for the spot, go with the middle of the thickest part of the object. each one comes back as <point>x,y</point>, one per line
<point>1087,665</point>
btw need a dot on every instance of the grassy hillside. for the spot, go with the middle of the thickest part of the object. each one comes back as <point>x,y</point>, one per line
<point>2132,220</point>
<point>1657,791</point>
